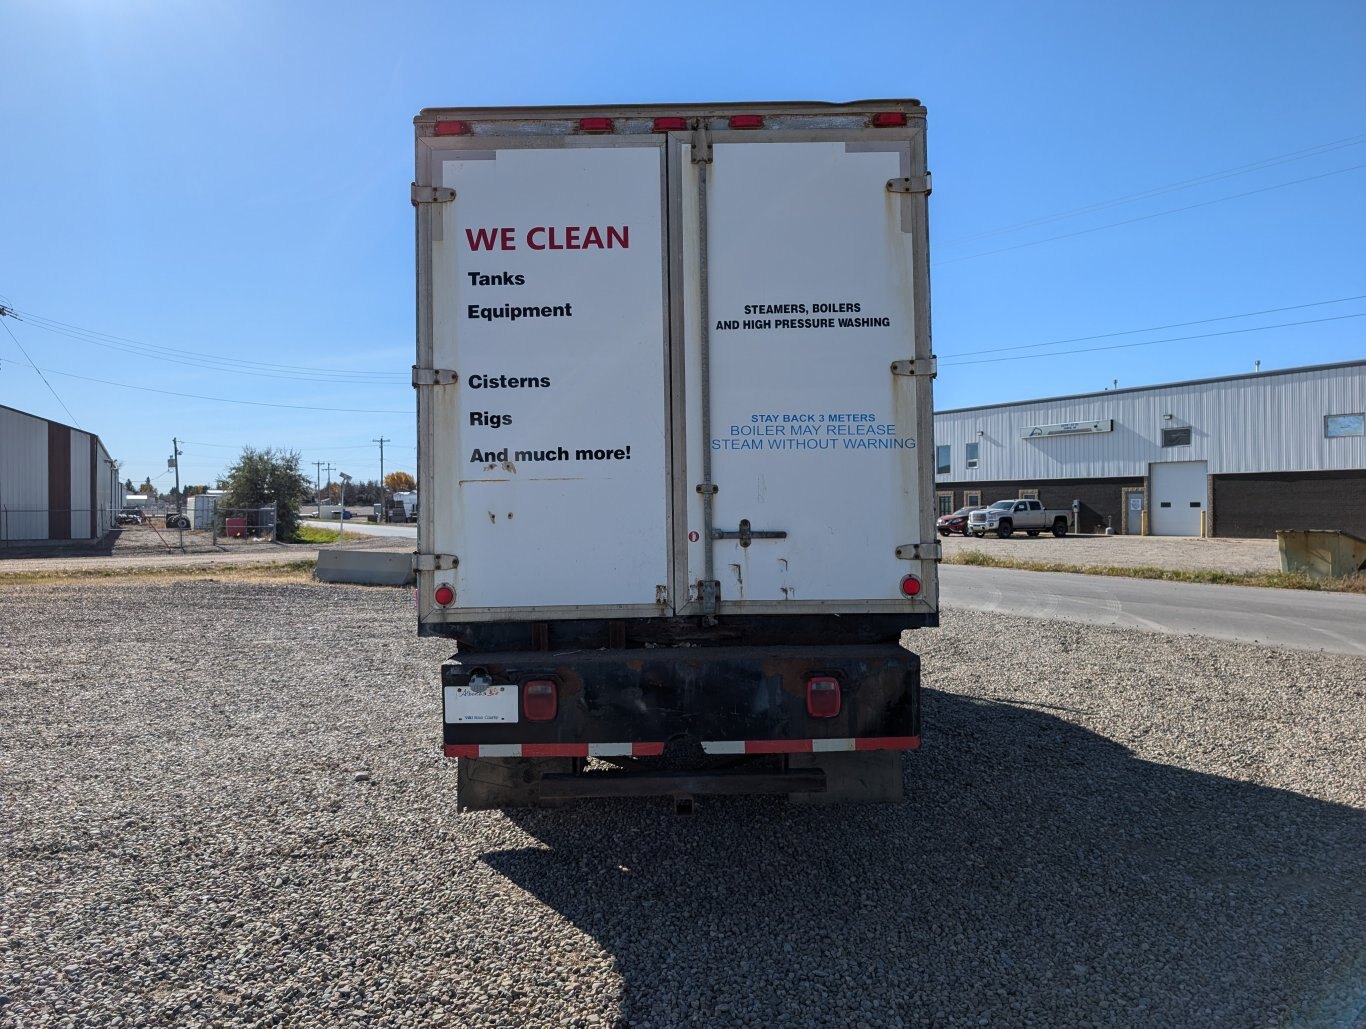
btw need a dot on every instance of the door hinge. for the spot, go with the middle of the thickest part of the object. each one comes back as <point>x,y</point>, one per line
<point>709,593</point>
<point>929,366</point>
<point>746,534</point>
<point>701,142</point>
<point>914,184</point>
<point>434,562</point>
<point>920,552</point>
<point>431,194</point>
<point>434,377</point>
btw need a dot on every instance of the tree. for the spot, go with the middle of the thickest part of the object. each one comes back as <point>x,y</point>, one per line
<point>147,489</point>
<point>266,478</point>
<point>399,482</point>
<point>128,486</point>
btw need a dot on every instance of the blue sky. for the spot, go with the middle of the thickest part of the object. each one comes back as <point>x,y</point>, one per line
<point>231,180</point>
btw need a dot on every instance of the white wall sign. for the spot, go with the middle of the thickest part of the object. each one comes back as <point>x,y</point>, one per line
<point>1067,429</point>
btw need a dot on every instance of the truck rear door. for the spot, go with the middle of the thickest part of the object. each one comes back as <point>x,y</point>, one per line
<point>543,392</point>
<point>807,372</point>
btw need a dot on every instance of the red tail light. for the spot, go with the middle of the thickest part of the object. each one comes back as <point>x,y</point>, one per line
<point>670,124</point>
<point>540,699</point>
<point>910,586</point>
<point>595,124</point>
<point>746,121</point>
<point>889,119</point>
<point>444,595</point>
<point>452,128</point>
<point>822,696</point>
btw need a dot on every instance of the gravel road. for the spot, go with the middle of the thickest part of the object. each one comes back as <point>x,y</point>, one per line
<point>1176,552</point>
<point>221,804</point>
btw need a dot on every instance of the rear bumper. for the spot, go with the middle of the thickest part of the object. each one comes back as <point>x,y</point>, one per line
<point>691,702</point>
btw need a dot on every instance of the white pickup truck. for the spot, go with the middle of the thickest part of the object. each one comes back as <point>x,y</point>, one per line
<point>1008,516</point>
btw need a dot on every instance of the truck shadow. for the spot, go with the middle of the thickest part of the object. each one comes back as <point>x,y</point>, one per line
<point>1037,872</point>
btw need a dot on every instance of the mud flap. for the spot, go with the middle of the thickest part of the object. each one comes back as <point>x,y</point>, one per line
<point>483,783</point>
<point>867,777</point>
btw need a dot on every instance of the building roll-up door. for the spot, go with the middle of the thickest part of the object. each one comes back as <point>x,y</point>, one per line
<point>1178,497</point>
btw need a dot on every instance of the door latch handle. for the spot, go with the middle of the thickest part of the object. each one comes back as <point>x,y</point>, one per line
<point>746,534</point>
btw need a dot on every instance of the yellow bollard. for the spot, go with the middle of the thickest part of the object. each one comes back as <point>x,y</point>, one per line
<point>1143,524</point>
<point>1203,525</point>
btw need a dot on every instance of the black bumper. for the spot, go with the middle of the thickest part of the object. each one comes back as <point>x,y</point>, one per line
<point>700,700</point>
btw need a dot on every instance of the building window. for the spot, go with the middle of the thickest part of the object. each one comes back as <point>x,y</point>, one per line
<point>945,503</point>
<point>1177,437</point>
<point>973,450</point>
<point>1335,425</point>
<point>941,460</point>
<point>1029,494</point>
<point>973,499</point>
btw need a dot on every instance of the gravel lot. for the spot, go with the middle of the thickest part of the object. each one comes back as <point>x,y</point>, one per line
<point>222,804</point>
<point>1177,552</point>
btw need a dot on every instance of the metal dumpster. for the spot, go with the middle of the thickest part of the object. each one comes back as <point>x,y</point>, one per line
<point>1321,553</point>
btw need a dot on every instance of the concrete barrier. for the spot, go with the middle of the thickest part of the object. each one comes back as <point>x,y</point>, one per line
<point>366,567</point>
<point>1321,553</point>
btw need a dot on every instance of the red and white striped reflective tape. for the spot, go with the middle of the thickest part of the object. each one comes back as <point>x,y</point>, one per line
<point>810,746</point>
<point>554,749</point>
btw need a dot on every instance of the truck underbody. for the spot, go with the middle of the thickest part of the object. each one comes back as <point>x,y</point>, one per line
<point>685,721</point>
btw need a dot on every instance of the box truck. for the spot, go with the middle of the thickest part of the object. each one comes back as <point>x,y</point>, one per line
<point>674,432</point>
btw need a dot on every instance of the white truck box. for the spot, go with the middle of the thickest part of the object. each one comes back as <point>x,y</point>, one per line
<point>674,387</point>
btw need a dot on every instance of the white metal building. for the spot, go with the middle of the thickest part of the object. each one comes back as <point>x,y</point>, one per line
<point>1242,455</point>
<point>56,482</point>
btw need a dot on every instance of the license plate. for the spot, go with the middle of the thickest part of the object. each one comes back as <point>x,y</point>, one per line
<point>491,704</point>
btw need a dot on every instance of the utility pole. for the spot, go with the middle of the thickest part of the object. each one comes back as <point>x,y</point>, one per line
<point>341,519</point>
<point>383,507</point>
<point>328,466</point>
<point>179,510</point>
<point>318,481</point>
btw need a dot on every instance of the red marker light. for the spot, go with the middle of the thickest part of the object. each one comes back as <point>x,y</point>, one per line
<point>670,124</point>
<point>452,128</point>
<point>540,700</point>
<point>444,595</point>
<point>822,696</point>
<point>746,121</point>
<point>889,119</point>
<point>595,124</point>
<point>910,586</point>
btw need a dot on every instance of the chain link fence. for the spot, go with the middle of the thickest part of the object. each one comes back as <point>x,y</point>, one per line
<point>30,528</point>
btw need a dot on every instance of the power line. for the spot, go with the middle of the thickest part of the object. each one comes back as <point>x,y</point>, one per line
<point>184,355</point>
<point>1199,180</point>
<point>321,446</point>
<point>1155,214</point>
<point>223,400</point>
<point>1151,342</point>
<point>8,312</point>
<point>1154,328</point>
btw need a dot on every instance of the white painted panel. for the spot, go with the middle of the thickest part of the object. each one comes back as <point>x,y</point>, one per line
<point>1178,490</point>
<point>23,476</point>
<point>810,433</point>
<point>549,470</point>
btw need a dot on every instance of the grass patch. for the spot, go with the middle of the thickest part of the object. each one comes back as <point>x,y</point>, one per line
<point>312,534</point>
<point>1270,580</point>
<point>247,571</point>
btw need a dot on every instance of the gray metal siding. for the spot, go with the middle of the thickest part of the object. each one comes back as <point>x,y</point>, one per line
<point>23,476</point>
<point>1267,422</point>
<point>69,492</point>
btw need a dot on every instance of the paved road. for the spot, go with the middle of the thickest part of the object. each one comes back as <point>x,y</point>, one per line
<point>1300,619</point>
<point>361,528</point>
